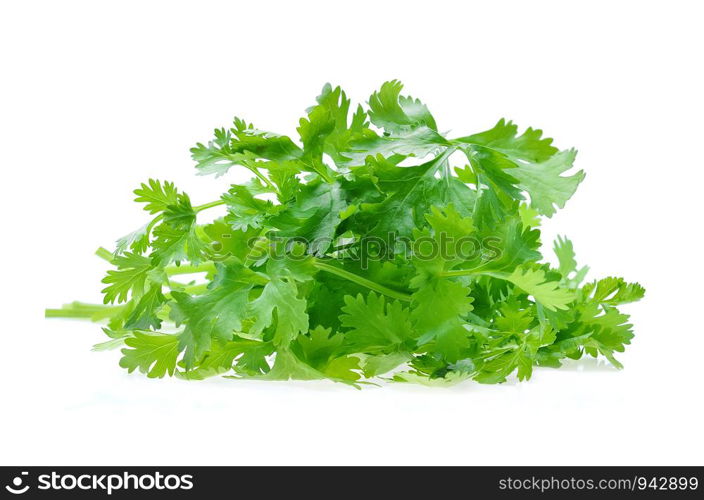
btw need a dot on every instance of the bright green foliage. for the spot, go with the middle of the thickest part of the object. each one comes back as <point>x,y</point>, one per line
<point>156,195</point>
<point>280,297</point>
<point>375,326</point>
<point>214,314</point>
<point>360,250</point>
<point>546,293</point>
<point>394,113</point>
<point>154,354</point>
<point>245,210</point>
<point>130,276</point>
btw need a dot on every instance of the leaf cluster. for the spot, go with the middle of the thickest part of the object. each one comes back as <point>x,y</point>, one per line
<point>319,267</point>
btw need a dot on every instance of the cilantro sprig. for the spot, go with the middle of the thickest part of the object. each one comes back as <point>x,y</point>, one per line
<point>372,247</point>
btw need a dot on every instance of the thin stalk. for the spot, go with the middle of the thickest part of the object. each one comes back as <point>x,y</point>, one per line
<point>456,273</point>
<point>104,254</point>
<point>206,206</point>
<point>372,285</point>
<point>153,223</point>
<point>265,180</point>
<point>472,272</point>
<point>80,310</point>
<point>67,313</point>
<point>207,267</point>
<point>256,172</point>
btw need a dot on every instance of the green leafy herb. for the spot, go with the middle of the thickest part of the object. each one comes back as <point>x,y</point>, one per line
<point>360,250</point>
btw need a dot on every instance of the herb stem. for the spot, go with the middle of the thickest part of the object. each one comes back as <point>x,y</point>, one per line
<point>457,272</point>
<point>104,254</point>
<point>207,267</point>
<point>265,180</point>
<point>153,223</point>
<point>193,289</point>
<point>81,310</point>
<point>372,285</point>
<point>256,172</point>
<point>472,272</point>
<point>206,206</point>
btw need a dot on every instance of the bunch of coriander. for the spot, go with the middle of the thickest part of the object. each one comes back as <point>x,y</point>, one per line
<point>359,252</point>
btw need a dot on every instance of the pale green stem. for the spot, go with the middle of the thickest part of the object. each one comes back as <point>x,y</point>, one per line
<point>261,176</point>
<point>207,267</point>
<point>82,310</point>
<point>473,272</point>
<point>206,206</point>
<point>372,285</point>
<point>105,254</point>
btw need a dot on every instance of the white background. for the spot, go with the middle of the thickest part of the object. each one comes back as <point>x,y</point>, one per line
<point>99,96</point>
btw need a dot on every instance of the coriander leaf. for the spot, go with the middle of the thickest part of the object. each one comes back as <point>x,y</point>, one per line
<point>291,261</point>
<point>506,245</point>
<point>319,346</point>
<point>499,364</point>
<point>321,350</point>
<point>491,207</point>
<point>537,165</point>
<point>417,142</point>
<point>253,361</point>
<point>564,251</point>
<point>513,319</point>
<point>611,333</point>
<point>529,146</point>
<point>375,326</point>
<point>217,314</point>
<point>130,276</point>
<point>174,244</point>
<point>452,378</point>
<point>495,169</point>
<point>222,356</point>
<point>144,315</point>
<point>313,217</point>
<point>328,117</point>
<point>288,366</point>
<point>279,300</point>
<point>565,254</point>
<point>438,310</point>
<point>283,174</point>
<point>226,242</point>
<point>411,191</point>
<point>137,241</point>
<point>613,291</point>
<point>373,366</point>
<point>240,145</point>
<point>395,113</point>
<point>117,339</point>
<point>156,195</point>
<point>244,210</point>
<point>535,283</point>
<point>154,354</point>
<point>176,238</point>
<point>449,222</point>
<point>545,184</point>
